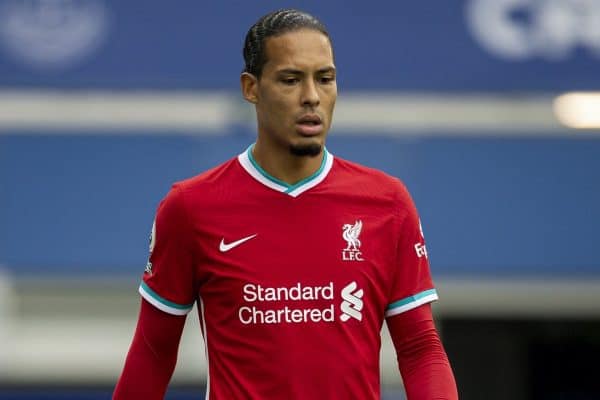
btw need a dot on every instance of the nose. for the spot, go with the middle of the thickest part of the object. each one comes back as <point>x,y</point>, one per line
<point>310,94</point>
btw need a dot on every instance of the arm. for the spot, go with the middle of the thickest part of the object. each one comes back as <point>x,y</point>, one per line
<point>152,355</point>
<point>168,290</point>
<point>422,360</point>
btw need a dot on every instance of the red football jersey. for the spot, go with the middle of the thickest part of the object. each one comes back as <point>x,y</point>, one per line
<point>293,282</point>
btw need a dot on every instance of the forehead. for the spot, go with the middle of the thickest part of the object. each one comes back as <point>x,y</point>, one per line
<point>301,49</point>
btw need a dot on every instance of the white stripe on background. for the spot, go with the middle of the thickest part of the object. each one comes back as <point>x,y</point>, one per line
<point>212,113</point>
<point>145,112</point>
<point>447,113</point>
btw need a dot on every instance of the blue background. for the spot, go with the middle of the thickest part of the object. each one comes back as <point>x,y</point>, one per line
<point>490,205</point>
<point>85,204</point>
<point>379,45</point>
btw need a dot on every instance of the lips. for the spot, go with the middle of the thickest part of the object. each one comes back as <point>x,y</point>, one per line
<point>311,119</point>
<point>309,125</point>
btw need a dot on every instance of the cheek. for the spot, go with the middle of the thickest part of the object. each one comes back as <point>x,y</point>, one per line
<point>275,114</point>
<point>329,97</point>
<point>330,104</point>
<point>278,106</point>
<point>282,109</point>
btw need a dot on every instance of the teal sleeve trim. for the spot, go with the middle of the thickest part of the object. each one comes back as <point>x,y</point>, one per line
<point>411,299</point>
<point>161,300</point>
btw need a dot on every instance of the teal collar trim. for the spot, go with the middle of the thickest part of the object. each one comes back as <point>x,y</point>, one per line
<point>247,161</point>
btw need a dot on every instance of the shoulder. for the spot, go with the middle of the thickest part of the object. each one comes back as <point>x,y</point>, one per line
<point>207,179</point>
<point>382,192</point>
<point>200,188</point>
<point>372,181</point>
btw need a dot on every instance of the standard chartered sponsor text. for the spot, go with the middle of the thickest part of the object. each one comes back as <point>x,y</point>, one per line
<point>264,311</point>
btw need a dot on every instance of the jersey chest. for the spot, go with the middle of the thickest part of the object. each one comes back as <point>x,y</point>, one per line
<point>297,253</point>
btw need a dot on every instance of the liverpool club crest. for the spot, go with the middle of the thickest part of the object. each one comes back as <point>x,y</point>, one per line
<point>351,233</point>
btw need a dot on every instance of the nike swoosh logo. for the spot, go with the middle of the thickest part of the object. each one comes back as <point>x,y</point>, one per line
<point>223,247</point>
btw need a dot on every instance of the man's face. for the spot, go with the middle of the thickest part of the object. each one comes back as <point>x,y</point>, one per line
<point>296,92</point>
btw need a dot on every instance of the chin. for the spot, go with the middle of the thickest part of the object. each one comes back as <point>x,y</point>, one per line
<point>311,149</point>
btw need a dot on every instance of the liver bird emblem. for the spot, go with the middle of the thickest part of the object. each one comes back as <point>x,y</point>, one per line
<point>350,235</point>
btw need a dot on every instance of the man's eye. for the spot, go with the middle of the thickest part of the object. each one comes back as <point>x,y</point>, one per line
<point>327,79</point>
<point>289,81</point>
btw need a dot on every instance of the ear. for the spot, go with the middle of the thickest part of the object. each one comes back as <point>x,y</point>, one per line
<point>249,84</point>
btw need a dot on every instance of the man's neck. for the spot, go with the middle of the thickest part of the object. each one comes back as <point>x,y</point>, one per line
<point>286,166</point>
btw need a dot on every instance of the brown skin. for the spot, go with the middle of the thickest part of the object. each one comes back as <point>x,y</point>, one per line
<point>294,100</point>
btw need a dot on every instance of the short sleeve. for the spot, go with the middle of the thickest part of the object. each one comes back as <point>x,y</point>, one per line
<point>168,282</point>
<point>412,285</point>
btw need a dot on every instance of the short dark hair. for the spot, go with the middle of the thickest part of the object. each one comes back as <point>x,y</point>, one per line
<point>274,24</point>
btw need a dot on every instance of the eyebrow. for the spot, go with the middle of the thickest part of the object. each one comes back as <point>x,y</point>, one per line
<point>293,71</point>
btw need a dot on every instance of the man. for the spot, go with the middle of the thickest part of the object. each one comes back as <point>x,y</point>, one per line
<point>293,256</point>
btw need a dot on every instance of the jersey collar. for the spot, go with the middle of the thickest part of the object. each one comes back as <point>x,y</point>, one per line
<point>251,166</point>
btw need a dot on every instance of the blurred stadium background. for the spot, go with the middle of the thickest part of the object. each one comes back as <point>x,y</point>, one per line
<point>485,108</point>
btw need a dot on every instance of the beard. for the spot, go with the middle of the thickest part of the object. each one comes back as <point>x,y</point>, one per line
<point>306,150</point>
